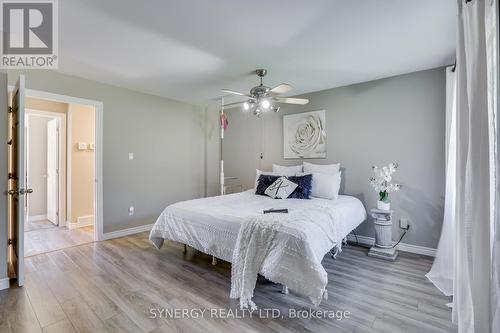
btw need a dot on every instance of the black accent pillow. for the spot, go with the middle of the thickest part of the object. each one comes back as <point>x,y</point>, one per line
<point>303,190</point>
<point>264,182</point>
<point>304,186</point>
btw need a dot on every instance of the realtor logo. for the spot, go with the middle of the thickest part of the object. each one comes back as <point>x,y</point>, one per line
<point>29,34</point>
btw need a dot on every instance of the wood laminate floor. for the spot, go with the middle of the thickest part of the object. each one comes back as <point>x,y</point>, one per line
<point>112,286</point>
<point>44,236</point>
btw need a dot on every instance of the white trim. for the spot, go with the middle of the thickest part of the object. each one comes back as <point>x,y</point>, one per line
<point>98,105</point>
<point>81,221</point>
<point>69,182</point>
<point>36,218</point>
<point>427,251</point>
<point>4,283</point>
<point>27,159</point>
<point>127,232</point>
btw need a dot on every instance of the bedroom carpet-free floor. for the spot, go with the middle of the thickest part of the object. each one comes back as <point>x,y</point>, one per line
<point>111,286</point>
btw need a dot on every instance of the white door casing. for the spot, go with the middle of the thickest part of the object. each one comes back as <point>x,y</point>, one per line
<point>53,171</point>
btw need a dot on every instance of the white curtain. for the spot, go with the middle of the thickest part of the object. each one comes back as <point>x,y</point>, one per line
<point>492,57</point>
<point>442,270</point>
<point>467,263</point>
<point>474,308</point>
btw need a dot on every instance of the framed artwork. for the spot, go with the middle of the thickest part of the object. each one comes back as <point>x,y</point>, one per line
<point>304,135</point>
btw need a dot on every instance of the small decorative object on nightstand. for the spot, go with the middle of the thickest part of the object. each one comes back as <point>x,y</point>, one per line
<point>381,183</point>
<point>383,247</point>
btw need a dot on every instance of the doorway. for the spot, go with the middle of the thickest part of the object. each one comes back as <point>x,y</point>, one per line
<point>60,169</point>
<point>18,191</point>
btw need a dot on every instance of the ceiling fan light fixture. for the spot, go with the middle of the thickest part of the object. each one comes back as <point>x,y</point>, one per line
<point>262,98</point>
<point>265,104</point>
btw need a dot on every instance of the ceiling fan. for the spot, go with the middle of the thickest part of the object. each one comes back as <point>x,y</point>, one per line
<point>262,98</point>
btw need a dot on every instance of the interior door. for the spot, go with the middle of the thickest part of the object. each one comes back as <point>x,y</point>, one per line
<point>17,182</point>
<point>52,171</point>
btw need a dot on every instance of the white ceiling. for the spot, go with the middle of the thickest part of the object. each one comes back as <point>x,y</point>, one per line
<point>189,49</point>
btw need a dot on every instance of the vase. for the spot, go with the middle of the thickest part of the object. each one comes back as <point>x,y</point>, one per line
<point>382,205</point>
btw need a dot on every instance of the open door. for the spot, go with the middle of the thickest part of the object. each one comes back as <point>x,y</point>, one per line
<point>17,183</point>
<point>52,171</point>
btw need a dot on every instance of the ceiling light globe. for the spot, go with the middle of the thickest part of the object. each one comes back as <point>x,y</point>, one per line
<point>246,106</point>
<point>265,104</point>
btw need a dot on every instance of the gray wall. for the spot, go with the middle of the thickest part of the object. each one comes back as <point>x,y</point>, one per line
<point>3,175</point>
<point>400,119</point>
<point>165,136</point>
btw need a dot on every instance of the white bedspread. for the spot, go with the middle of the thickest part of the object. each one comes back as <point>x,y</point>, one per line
<point>306,234</point>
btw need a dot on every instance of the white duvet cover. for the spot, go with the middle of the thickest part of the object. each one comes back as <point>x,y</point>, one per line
<point>211,225</point>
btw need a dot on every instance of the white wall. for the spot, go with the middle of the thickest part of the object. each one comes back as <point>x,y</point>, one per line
<point>37,168</point>
<point>398,119</point>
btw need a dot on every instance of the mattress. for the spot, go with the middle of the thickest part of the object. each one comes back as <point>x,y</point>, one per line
<point>211,224</point>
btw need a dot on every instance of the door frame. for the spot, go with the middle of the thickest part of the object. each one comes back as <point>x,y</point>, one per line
<point>62,183</point>
<point>98,160</point>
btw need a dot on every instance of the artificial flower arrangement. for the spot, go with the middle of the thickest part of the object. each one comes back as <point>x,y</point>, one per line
<point>381,183</point>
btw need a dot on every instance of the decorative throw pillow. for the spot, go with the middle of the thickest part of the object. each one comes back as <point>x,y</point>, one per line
<point>326,186</point>
<point>329,169</point>
<point>304,185</point>
<point>263,182</point>
<point>281,188</point>
<point>287,170</point>
<point>259,172</point>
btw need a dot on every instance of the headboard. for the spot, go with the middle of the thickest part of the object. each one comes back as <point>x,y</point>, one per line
<point>342,181</point>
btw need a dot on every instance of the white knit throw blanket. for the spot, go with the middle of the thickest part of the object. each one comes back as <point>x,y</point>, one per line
<point>275,245</point>
<point>252,246</point>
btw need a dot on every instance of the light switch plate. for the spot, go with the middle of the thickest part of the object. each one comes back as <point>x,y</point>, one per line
<point>91,146</point>
<point>130,156</point>
<point>131,210</point>
<point>403,223</point>
<point>82,146</point>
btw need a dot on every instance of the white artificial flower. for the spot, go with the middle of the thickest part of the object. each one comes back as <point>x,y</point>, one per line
<point>381,182</point>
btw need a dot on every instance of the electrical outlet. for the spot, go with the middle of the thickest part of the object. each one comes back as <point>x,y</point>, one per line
<point>130,156</point>
<point>403,223</point>
<point>131,210</point>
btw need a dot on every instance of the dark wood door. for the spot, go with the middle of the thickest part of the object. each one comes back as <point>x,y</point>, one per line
<point>17,180</point>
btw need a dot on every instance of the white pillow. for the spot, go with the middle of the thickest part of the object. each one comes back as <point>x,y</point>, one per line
<point>329,169</point>
<point>287,170</point>
<point>325,186</point>
<point>281,188</point>
<point>259,172</point>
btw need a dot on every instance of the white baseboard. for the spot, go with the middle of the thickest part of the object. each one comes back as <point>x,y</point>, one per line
<point>81,221</point>
<point>4,283</point>
<point>127,232</point>
<point>36,218</point>
<point>427,251</point>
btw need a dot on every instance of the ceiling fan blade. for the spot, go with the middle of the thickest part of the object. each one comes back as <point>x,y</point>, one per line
<point>288,100</point>
<point>282,88</point>
<point>232,105</point>
<point>229,91</point>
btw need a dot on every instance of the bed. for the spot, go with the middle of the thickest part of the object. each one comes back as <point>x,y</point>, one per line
<point>211,225</point>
